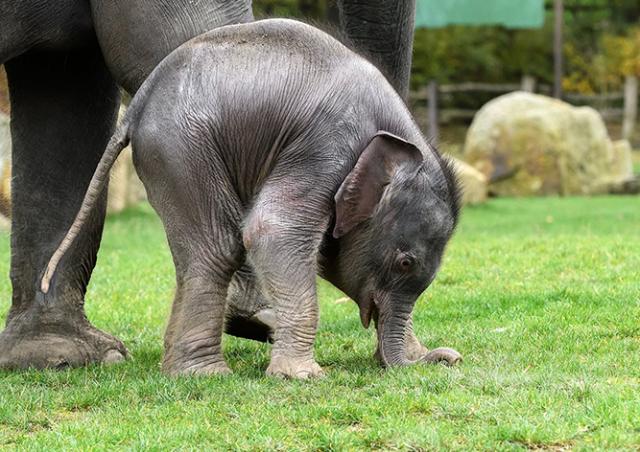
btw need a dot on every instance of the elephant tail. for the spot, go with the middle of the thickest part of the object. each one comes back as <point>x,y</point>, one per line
<point>117,143</point>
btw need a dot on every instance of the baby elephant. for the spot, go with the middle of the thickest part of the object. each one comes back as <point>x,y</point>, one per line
<point>273,144</point>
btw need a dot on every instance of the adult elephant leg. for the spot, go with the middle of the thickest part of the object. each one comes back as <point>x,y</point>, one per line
<point>248,314</point>
<point>136,35</point>
<point>383,31</point>
<point>63,111</point>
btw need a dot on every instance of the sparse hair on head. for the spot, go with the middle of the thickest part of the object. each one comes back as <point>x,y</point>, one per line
<point>455,191</point>
<point>450,173</point>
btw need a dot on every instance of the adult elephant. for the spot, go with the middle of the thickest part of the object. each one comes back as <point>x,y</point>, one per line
<point>64,62</point>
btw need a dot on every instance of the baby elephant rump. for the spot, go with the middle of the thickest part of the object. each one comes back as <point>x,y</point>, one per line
<point>272,148</point>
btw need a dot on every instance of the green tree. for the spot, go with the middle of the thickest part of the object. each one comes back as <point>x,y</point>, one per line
<point>598,38</point>
<point>309,9</point>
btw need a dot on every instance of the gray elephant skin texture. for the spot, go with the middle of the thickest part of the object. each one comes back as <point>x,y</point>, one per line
<point>66,58</point>
<point>308,163</point>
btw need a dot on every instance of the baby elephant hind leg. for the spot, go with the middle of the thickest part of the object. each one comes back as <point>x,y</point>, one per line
<point>206,258</point>
<point>204,238</point>
<point>193,342</point>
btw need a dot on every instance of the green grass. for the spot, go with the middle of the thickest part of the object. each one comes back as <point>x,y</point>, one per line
<point>542,296</point>
<point>636,161</point>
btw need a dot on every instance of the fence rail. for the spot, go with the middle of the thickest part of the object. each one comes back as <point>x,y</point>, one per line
<point>603,97</point>
<point>433,93</point>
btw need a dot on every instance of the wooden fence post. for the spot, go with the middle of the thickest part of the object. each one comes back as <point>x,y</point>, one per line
<point>432,94</point>
<point>558,7</point>
<point>630,106</point>
<point>528,83</point>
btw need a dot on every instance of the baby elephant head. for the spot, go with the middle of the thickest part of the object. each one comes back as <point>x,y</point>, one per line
<point>395,212</point>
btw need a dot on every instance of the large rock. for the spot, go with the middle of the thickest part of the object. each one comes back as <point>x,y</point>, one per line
<point>528,144</point>
<point>623,166</point>
<point>622,159</point>
<point>474,184</point>
<point>5,170</point>
<point>4,91</point>
<point>125,188</point>
<point>5,153</point>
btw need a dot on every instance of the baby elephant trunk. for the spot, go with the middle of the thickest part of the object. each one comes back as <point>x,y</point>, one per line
<point>392,323</point>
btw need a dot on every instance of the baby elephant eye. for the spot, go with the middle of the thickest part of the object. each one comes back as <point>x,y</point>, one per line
<point>405,262</point>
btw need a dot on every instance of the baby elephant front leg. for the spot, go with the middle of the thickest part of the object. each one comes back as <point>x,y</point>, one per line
<point>284,261</point>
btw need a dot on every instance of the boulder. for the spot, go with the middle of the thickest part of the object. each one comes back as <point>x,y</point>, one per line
<point>474,184</point>
<point>5,153</point>
<point>528,144</point>
<point>622,159</point>
<point>5,169</point>
<point>125,188</point>
<point>624,181</point>
<point>4,91</point>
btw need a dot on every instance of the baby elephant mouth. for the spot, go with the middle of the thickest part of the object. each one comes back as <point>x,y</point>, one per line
<point>368,309</point>
<point>391,323</point>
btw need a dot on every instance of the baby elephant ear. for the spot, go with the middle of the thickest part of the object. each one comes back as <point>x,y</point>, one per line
<point>362,189</point>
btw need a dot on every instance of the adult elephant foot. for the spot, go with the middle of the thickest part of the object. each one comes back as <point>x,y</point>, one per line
<point>56,148</point>
<point>28,343</point>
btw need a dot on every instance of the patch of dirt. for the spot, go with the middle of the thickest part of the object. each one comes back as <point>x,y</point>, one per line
<point>556,446</point>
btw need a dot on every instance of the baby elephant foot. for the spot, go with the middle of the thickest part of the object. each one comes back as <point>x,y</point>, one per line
<point>204,370</point>
<point>287,367</point>
<point>193,355</point>
<point>447,356</point>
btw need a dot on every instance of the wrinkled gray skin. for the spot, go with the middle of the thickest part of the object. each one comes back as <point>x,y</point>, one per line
<point>65,58</point>
<point>311,140</point>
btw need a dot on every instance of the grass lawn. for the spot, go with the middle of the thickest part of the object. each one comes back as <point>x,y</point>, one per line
<point>636,161</point>
<point>541,296</point>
